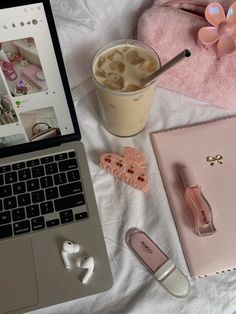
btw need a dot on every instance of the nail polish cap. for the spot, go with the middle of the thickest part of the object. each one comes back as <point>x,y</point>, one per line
<point>188,177</point>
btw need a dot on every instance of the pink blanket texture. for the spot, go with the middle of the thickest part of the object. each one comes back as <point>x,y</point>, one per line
<point>169,29</point>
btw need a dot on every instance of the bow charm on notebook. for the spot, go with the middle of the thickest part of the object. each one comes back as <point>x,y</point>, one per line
<point>130,168</point>
<point>223,31</point>
<point>212,160</point>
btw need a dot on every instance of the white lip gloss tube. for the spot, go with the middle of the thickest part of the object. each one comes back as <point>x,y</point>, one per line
<point>157,263</point>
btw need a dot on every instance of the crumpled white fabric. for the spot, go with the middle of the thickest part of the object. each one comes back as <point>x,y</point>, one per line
<point>83,27</point>
<point>86,25</point>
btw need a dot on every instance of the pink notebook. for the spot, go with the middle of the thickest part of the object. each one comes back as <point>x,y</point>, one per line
<point>190,146</point>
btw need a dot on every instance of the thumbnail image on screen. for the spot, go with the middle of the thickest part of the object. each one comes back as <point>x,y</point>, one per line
<point>21,66</point>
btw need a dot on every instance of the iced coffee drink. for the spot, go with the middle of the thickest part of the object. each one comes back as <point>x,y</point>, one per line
<point>119,70</point>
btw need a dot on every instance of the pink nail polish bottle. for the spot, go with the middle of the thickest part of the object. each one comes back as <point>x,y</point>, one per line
<point>157,263</point>
<point>201,209</point>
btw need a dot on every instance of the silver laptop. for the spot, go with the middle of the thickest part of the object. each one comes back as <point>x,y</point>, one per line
<point>46,194</point>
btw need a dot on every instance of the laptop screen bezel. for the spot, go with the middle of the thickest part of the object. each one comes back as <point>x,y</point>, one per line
<point>57,49</point>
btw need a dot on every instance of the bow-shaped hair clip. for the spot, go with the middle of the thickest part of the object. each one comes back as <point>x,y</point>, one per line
<point>223,31</point>
<point>213,159</point>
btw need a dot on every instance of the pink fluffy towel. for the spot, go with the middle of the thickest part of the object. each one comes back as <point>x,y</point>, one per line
<point>172,27</point>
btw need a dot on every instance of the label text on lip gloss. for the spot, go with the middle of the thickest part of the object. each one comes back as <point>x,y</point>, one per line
<point>204,218</point>
<point>146,247</point>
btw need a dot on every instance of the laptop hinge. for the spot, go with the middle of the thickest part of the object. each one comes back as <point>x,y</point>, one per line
<point>36,146</point>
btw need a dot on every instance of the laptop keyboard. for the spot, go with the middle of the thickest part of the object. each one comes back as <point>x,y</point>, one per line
<point>40,193</point>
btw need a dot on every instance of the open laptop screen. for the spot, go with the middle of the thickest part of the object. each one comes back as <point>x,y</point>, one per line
<point>33,104</point>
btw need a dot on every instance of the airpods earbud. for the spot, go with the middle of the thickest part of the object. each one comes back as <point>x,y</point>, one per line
<point>86,262</point>
<point>67,249</point>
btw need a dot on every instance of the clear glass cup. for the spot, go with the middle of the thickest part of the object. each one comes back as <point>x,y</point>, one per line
<point>124,113</point>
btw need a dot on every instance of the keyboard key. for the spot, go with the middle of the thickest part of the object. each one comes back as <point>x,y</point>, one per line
<point>10,177</point>
<point>5,217</point>
<point>32,163</point>
<point>61,156</point>
<point>32,185</point>
<point>71,188</point>
<point>38,171</point>
<point>32,211</point>
<point>71,154</point>
<point>1,179</point>
<point>68,164</point>
<point>19,165</point>
<point>38,196</point>
<point>46,160</point>
<point>51,193</point>
<point>66,213</point>
<point>5,231</point>
<point>24,199</point>
<point>67,219</point>
<point>80,216</point>
<point>69,202</point>
<point>10,203</point>
<point>47,208</point>
<point>19,188</point>
<point>60,178</point>
<point>38,223</point>
<point>4,169</point>
<point>21,227</point>
<point>35,193</point>
<point>24,174</point>
<point>5,191</point>
<point>51,168</point>
<point>46,182</point>
<point>73,175</point>
<point>18,214</point>
<point>52,223</point>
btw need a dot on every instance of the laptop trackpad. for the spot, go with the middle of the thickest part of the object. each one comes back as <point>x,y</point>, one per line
<point>18,282</point>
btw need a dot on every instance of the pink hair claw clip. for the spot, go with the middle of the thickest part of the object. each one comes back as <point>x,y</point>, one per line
<point>130,168</point>
<point>223,31</point>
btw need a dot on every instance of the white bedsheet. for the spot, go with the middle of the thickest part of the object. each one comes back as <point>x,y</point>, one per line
<point>84,26</point>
